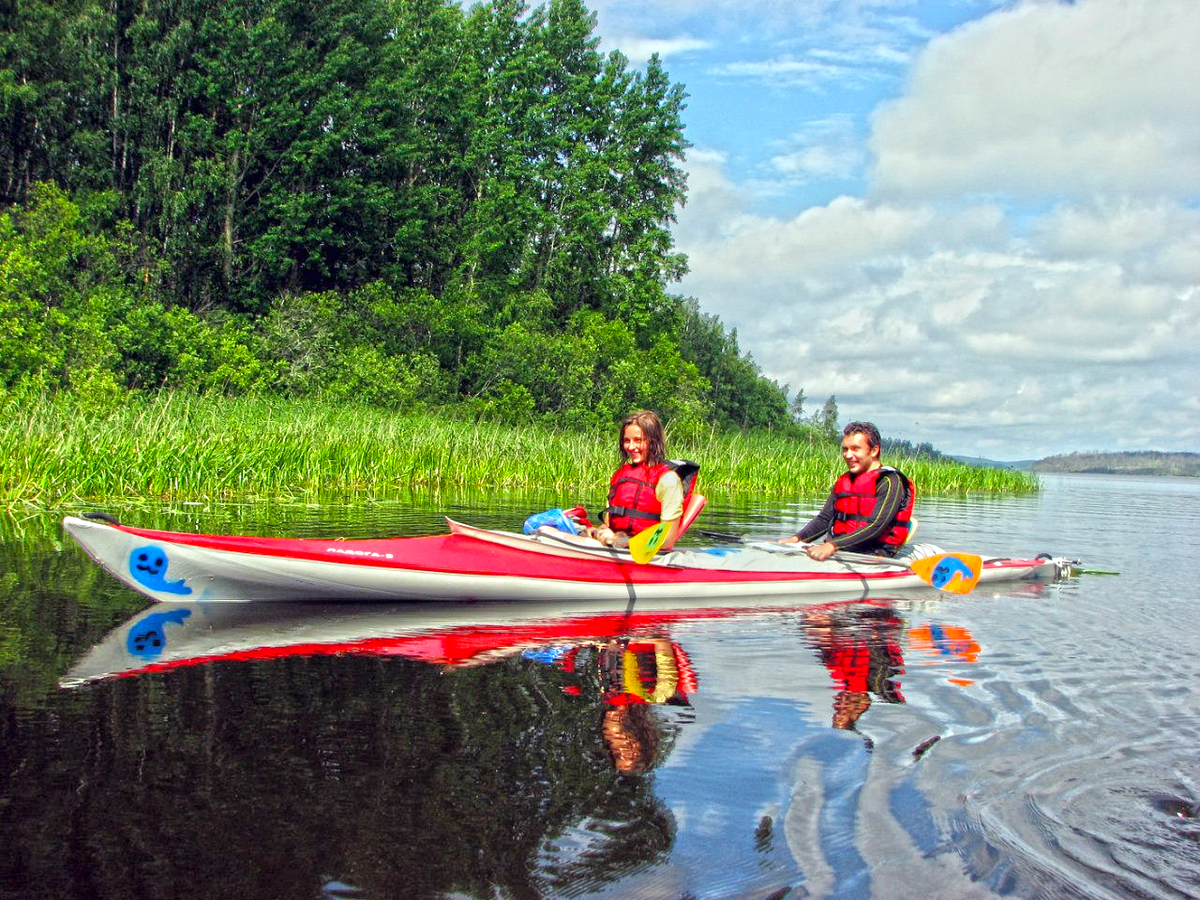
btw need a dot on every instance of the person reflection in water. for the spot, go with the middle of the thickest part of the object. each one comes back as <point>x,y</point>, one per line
<point>632,737</point>
<point>634,674</point>
<point>860,646</point>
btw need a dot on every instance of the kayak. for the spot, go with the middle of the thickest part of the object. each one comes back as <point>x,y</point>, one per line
<point>476,564</point>
<point>174,635</point>
<point>177,635</point>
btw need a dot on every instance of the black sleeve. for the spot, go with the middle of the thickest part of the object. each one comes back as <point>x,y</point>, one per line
<point>889,499</point>
<point>820,524</point>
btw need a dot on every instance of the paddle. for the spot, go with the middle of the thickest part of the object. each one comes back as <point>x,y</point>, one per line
<point>954,573</point>
<point>644,544</point>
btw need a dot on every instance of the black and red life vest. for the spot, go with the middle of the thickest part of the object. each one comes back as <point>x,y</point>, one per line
<point>632,503</point>
<point>860,665</point>
<point>854,501</point>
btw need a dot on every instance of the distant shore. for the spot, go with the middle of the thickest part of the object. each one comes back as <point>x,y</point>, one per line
<point>1148,462</point>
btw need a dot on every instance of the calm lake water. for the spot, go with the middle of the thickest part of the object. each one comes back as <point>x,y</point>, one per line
<point>1038,741</point>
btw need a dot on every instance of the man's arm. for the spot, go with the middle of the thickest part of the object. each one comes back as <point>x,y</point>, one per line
<point>817,526</point>
<point>820,523</point>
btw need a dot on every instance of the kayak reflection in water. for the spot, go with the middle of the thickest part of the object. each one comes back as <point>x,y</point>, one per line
<point>635,674</point>
<point>860,646</point>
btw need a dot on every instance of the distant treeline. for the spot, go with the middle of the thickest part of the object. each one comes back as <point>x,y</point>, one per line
<point>1145,462</point>
<point>922,450</point>
<point>407,203</point>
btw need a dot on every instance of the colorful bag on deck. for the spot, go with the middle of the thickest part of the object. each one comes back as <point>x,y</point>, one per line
<point>572,521</point>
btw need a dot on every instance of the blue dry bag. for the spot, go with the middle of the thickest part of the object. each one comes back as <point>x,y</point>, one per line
<point>555,518</point>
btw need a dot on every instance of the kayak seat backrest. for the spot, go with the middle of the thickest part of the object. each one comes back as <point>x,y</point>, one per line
<point>691,509</point>
<point>912,530</point>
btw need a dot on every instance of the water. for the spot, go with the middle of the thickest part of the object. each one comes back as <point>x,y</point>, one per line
<point>1025,742</point>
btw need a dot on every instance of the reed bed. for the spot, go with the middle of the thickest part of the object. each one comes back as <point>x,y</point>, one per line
<point>53,452</point>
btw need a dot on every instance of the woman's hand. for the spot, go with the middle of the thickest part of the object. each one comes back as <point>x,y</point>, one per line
<point>604,535</point>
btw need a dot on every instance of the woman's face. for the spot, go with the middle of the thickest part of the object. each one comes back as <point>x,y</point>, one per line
<point>634,443</point>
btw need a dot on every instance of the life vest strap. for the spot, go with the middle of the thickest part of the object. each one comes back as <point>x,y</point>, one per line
<point>632,513</point>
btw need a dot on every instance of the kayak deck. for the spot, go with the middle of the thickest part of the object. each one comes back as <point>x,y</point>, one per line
<point>472,564</point>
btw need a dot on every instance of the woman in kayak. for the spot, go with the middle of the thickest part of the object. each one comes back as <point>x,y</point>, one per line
<point>646,489</point>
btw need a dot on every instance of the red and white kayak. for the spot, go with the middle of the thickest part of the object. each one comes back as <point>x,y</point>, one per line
<point>167,636</point>
<point>479,564</point>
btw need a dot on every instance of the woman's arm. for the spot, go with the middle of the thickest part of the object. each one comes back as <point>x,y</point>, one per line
<point>669,492</point>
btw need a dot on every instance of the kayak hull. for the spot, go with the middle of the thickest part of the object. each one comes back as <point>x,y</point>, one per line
<point>173,635</point>
<point>476,564</point>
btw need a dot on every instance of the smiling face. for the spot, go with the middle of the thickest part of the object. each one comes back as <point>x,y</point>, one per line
<point>634,444</point>
<point>860,456</point>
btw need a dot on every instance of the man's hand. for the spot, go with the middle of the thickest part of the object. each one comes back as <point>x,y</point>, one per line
<point>821,552</point>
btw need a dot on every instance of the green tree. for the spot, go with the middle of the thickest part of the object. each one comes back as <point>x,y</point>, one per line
<point>827,419</point>
<point>60,285</point>
<point>740,396</point>
<point>396,200</point>
<point>54,62</point>
<point>796,407</point>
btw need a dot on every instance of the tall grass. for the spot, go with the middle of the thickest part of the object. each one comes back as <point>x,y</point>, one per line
<point>174,447</point>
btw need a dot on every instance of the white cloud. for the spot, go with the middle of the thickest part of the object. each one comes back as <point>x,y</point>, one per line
<point>823,149</point>
<point>1022,274</point>
<point>776,43</point>
<point>639,49</point>
<point>915,316</point>
<point>1051,99</point>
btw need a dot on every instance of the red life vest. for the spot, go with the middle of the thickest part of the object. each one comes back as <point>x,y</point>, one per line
<point>632,503</point>
<point>854,501</point>
<point>867,662</point>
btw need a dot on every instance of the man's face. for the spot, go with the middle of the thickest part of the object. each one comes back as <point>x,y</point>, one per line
<point>859,455</point>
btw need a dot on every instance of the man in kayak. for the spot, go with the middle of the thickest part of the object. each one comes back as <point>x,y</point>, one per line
<point>870,506</point>
<point>646,489</point>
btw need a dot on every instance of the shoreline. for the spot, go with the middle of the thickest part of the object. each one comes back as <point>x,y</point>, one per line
<point>55,453</point>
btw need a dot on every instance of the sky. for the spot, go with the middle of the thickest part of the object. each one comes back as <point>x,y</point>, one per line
<point>974,223</point>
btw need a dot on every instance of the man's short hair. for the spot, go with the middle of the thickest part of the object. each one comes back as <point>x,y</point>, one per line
<point>864,428</point>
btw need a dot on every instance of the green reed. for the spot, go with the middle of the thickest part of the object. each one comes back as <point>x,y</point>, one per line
<point>54,452</point>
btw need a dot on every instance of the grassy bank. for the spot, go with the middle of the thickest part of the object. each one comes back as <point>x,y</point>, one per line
<point>55,453</point>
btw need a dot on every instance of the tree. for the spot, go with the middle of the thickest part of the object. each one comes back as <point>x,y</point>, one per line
<point>343,194</point>
<point>827,419</point>
<point>796,407</point>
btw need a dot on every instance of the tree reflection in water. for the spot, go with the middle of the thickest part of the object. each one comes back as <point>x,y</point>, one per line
<point>510,777</point>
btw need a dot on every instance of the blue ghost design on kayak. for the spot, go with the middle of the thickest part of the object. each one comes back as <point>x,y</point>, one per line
<point>944,571</point>
<point>148,637</point>
<point>148,566</point>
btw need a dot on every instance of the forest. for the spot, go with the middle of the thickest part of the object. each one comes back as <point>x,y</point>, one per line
<point>409,204</point>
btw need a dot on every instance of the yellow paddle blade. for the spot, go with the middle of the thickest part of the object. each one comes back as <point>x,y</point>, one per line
<point>644,544</point>
<point>956,573</point>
